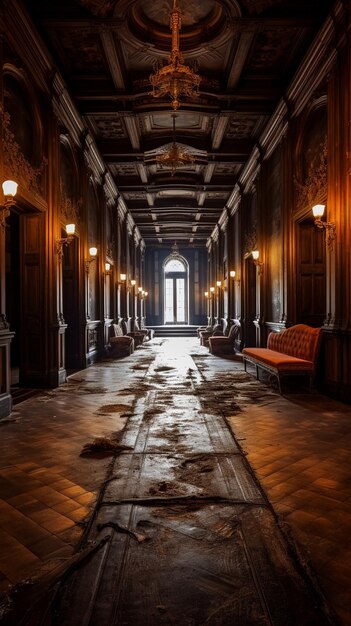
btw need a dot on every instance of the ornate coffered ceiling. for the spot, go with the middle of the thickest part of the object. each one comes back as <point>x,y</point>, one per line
<point>246,52</point>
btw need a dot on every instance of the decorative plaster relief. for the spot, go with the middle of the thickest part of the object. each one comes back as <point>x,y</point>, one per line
<point>16,166</point>
<point>83,52</point>
<point>100,8</point>
<point>250,239</point>
<point>109,127</point>
<point>272,49</point>
<point>314,189</point>
<point>69,210</point>
<point>241,127</point>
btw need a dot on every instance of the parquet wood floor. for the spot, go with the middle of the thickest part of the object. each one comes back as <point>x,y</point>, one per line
<point>297,446</point>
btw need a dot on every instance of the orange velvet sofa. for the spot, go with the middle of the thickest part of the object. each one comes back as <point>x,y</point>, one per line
<point>291,352</point>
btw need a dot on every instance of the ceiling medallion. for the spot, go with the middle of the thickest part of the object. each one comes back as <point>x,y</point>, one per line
<point>175,155</point>
<point>175,79</point>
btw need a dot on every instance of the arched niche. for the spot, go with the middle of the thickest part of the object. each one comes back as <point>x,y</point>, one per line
<point>23,134</point>
<point>311,157</point>
<point>70,203</point>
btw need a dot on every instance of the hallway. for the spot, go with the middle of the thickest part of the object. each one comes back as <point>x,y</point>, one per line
<point>192,537</point>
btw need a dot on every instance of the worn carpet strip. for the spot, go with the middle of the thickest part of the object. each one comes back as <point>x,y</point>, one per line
<point>191,537</point>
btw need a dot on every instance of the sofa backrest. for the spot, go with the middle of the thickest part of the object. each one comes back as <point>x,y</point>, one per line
<point>300,341</point>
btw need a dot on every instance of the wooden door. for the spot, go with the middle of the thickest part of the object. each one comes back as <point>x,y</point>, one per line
<point>32,285</point>
<point>311,275</point>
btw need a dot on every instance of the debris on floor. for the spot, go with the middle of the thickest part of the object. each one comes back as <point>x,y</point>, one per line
<point>104,445</point>
<point>123,529</point>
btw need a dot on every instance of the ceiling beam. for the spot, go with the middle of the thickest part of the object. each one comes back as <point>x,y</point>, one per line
<point>113,59</point>
<point>243,48</point>
<point>132,128</point>
<point>176,186</point>
<point>219,130</point>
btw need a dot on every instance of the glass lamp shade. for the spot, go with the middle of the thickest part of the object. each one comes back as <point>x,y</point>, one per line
<point>206,294</point>
<point>146,293</point>
<point>232,273</point>
<point>212,289</point>
<point>133,283</point>
<point>107,266</point>
<point>318,210</point>
<point>219,283</point>
<point>123,277</point>
<point>9,188</point>
<point>70,229</point>
<point>255,255</point>
<point>93,251</point>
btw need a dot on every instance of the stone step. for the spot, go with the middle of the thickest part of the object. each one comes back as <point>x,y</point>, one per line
<point>174,330</point>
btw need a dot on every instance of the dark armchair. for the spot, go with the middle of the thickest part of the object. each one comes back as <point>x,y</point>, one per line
<point>224,346</point>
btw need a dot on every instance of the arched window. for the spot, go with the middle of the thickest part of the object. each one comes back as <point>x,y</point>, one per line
<point>175,290</point>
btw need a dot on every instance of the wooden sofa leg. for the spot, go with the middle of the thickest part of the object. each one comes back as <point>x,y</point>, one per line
<point>279,384</point>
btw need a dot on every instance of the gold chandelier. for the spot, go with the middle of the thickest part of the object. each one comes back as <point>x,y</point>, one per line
<point>175,156</point>
<point>175,79</point>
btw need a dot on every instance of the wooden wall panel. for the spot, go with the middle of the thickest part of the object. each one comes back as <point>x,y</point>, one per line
<point>272,227</point>
<point>33,358</point>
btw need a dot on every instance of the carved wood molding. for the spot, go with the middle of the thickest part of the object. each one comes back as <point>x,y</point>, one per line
<point>4,325</point>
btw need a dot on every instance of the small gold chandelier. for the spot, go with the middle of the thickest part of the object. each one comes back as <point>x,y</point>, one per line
<point>175,79</point>
<point>175,156</point>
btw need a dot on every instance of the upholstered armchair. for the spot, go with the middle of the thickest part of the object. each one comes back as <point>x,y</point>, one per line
<point>120,344</point>
<point>206,334</point>
<point>137,335</point>
<point>223,346</point>
<point>147,332</point>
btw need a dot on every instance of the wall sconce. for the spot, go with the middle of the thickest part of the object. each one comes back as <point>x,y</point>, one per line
<point>108,268</point>
<point>257,262</point>
<point>232,275</point>
<point>330,227</point>
<point>206,294</point>
<point>9,188</point>
<point>133,283</point>
<point>65,241</point>
<point>219,284</point>
<point>92,257</point>
<point>122,278</point>
<point>212,290</point>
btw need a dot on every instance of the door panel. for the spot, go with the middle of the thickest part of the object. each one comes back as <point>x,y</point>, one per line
<point>175,299</point>
<point>311,279</point>
<point>169,308</point>
<point>180,301</point>
<point>33,302</point>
